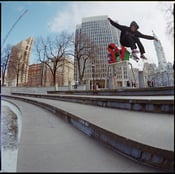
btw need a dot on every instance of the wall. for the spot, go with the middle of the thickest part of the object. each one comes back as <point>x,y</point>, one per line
<point>8,90</point>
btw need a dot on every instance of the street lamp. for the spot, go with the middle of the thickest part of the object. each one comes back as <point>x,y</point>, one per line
<point>43,73</point>
<point>93,66</point>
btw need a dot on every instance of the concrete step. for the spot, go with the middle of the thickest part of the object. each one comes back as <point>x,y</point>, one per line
<point>154,104</point>
<point>127,91</point>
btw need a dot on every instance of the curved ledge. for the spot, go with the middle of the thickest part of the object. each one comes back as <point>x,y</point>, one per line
<point>10,164</point>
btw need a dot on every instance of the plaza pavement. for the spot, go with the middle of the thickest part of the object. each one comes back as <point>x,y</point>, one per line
<point>49,144</point>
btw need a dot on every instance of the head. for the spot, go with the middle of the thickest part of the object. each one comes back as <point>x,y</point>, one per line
<point>134,26</point>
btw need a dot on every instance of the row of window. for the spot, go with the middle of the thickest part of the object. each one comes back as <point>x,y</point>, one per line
<point>95,23</point>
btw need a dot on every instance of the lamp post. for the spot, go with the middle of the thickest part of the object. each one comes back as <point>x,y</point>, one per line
<point>43,70</point>
<point>167,78</point>
<point>93,66</point>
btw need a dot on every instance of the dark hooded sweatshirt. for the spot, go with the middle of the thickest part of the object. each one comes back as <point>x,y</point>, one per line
<point>127,31</point>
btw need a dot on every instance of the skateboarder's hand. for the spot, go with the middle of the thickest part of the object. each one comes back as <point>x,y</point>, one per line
<point>155,39</point>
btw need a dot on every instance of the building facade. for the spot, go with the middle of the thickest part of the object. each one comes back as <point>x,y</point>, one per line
<point>17,73</point>
<point>123,73</point>
<point>160,76</point>
<point>34,75</point>
<point>41,76</point>
<point>101,33</point>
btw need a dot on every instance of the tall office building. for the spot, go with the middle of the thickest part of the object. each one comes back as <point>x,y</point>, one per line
<point>17,73</point>
<point>101,33</point>
<point>160,54</point>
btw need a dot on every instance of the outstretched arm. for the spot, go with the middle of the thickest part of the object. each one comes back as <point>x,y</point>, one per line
<point>115,24</point>
<point>146,36</point>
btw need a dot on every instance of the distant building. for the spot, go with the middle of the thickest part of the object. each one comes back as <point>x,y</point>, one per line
<point>101,33</point>
<point>124,72</point>
<point>163,75</point>
<point>160,78</point>
<point>160,54</point>
<point>149,73</point>
<point>68,72</point>
<point>134,76</point>
<point>34,75</point>
<point>41,76</point>
<point>17,72</point>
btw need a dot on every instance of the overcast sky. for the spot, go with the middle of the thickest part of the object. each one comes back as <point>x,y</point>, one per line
<point>45,18</point>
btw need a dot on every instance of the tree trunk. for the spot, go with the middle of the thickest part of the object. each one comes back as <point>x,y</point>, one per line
<point>3,78</point>
<point>54,80</point>
<point>17,79</point>
<point>81,79</point>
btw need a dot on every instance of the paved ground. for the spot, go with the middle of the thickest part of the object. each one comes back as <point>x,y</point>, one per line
<point>153,129</point>
<point>48,144</point>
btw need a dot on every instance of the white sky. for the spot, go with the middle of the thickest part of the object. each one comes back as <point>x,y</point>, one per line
<point>147,14</point>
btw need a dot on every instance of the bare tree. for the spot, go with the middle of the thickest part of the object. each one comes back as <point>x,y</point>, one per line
<point>168,9</point>
<point>53,51</point>
<point>4,61</point>
<point>84,50</point>
<point>16,65</point>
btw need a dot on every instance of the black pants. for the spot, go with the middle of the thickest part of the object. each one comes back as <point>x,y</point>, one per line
<point>131,41</point>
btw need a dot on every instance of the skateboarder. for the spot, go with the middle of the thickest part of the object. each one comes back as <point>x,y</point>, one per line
<point>130,37</point>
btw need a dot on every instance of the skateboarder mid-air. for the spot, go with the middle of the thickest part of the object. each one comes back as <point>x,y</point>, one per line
<point>130,37</point>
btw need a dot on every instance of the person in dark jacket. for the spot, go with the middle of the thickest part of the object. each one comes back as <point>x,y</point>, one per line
<point>130,37</point>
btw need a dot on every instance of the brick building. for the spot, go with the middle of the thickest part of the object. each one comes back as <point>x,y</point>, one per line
<point>40,74</point>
